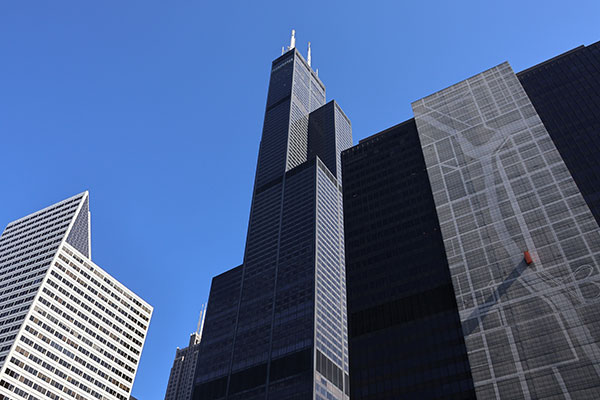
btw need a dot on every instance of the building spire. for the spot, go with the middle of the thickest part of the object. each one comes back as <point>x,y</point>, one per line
<point>308,57</point>
<point>292,40</point>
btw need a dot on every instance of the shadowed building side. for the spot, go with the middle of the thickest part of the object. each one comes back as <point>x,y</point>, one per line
<point>405,336</point>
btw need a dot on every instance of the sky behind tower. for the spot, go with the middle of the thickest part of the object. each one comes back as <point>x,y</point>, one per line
<point>157,107</point>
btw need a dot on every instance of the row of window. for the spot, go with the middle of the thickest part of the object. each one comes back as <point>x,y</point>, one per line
<point>31,259</point>
<point>29,240</point>
<point>93,301</point>
<point>39,217</point>
<point>17,302</point>
<point>22,275</point>
<point>61,349</point>
<point>43,214</point>
<point>19,287</point>
<point>26,253</point>
<point>89,320</point>
<point>87,341</point>
<point>47,379</point>
<point>19,294</point>
<point>117,288</point>
<point>62,375</point>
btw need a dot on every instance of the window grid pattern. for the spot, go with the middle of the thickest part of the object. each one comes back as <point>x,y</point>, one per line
<point>251,345</point>
<point>307,96</point>
<point>72,344</point>
<point>343,138</point>
<point>293,312</point>
<point>273,145</point>
<point>565,92</point>
<point>27,247</point>
<point>219,327</point>
<point>331,332</point>
<point>79,236</point>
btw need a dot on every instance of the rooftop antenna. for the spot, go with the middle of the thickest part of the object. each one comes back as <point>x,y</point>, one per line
<point>282,50</point>
<point>201,320</point>
<point>292,40</point>
<point>308,54</point>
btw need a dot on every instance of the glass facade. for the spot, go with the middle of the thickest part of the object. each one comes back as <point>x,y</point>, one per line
<point>279,329</point>
<point>405,336</point>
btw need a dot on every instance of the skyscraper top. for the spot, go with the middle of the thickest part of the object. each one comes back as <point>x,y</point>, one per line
<point>293,46</point>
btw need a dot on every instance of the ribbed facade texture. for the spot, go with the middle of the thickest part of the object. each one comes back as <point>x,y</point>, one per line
<point>71,331</point>
<point>276,326</point>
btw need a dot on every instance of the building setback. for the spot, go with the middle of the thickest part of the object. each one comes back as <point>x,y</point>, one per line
<point>504,216</point>
<point>69,329</point>
<point>276,326</point>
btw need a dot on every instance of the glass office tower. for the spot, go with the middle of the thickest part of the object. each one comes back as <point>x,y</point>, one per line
<point>275,326</point>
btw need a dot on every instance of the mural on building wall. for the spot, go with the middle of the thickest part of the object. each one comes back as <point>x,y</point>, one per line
<point>501,189</point>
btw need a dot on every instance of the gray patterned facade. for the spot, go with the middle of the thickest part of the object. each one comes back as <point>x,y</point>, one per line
<point>502,189</point>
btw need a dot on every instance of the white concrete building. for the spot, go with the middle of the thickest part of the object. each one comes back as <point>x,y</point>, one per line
<point>68,330</point>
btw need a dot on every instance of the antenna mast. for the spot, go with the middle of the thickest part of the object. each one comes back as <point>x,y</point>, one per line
<point>201,320</point>
<point>308,58</point>
<point>292,40</point>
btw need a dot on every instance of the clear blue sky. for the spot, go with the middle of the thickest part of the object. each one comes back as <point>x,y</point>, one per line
<point>156,107</point>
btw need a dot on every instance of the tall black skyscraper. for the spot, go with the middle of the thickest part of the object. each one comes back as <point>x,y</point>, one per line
<point>404,328</point>
<point>276,325</point>
<point>473,260</point>
<point>565,92</point>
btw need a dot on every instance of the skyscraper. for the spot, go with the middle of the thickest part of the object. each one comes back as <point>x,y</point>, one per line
<point>565,92</point>
<point>276,325</point>
<point>181,378</point>
<point>405,336</point>
<point>506,156</point>
<point>69,329</point>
